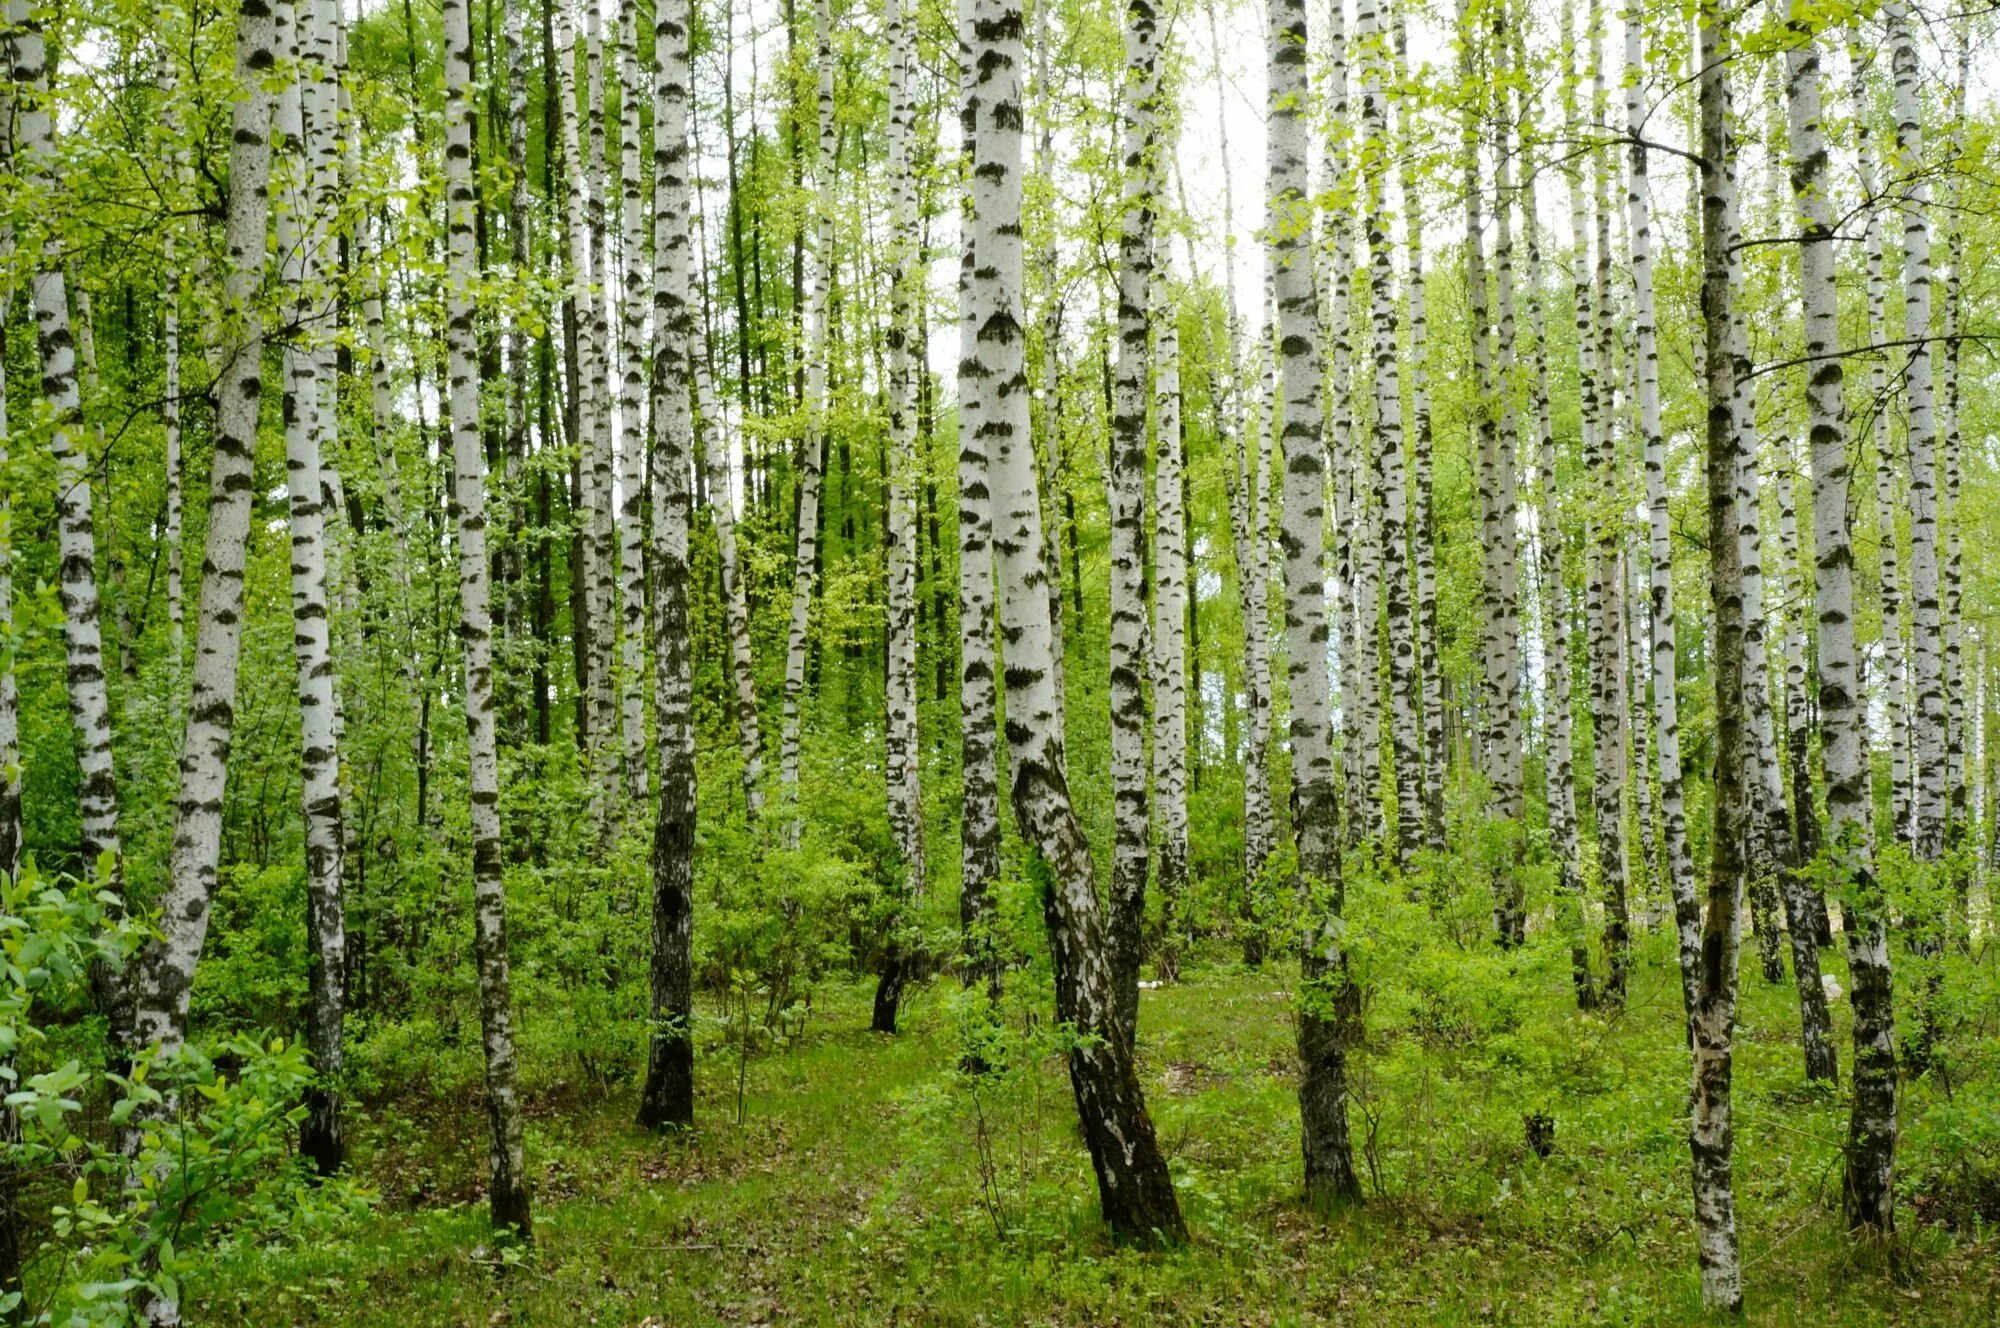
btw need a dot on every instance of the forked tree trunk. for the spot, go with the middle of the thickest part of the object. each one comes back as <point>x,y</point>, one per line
<point>1133,1186</point>
<point>1327,1006</point>
<point>508,1191</point>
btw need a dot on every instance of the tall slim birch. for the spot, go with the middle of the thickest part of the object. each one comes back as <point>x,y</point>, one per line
<point>807,549</point>
<point>508,1190</point>
<point>1327,1010</point>
<point>667,1097</point>
<point>634,292</point>
<point>1170,608</point>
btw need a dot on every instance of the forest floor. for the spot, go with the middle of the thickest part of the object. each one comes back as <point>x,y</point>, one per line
<point>869,1184</point>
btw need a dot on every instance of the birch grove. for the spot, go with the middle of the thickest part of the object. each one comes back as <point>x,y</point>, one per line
<point>530,601</point>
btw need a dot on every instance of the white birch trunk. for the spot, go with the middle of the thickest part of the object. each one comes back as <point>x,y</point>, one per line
<point>796,640</point>
<point>1327,1009</point>
<point>634,292</point>
<point>1170,608</point>
<point>508,1194</point>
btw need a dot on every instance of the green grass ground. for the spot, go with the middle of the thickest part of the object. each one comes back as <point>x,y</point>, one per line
<point>868,1185</point>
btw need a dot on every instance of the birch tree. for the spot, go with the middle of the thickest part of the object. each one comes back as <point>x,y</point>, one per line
<point>906,811</point>
<point>1126,479</point>
<point>667,1097</point>
<point>1170,610</point>
<point>1711,1140</point>
<point>508,1190</point>
<point>633,293</point>
<point>1326,1012</point>
<point>1868,1198</point>
<point>1134,1189</point>
<point>76,530</point>
<point>803,573</point>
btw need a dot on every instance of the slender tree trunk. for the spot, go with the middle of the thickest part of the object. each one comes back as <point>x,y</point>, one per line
<point>1558,766</point>
<point>1423,536</point>
<point>1170,616</point>
<point>1392,488</point>
<point>172,285</point>
<point>979,816</point>
<point>905,792</point>
<point>597,462</point>
<point>1133,1186</point>
<point>508,1193</point>
<point>1926,640</point>
<point>805,567</point>
<point>634,294</point>
<point>1500,643</point>
<point>76,534</point>
<point>1868,1194</point>
<point>1710,1138</point>
<point>1328,1010</point>
<point>303,117</point>
<point>1894,665</point>
<point>1126,480</point>
<point>667,1099</point>
<point>1659,530</point>
<point>165,968</point>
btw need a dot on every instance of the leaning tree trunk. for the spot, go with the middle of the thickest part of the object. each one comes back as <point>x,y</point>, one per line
<point>905,793</point>
<point>633,296</point>
<point>1659,529</point>
<point>1327,1006</point>
<point>979,817</point>
<point>1392,489</point>
<point>305,415</point>
<point>1500,673</point>
<point>1133,1185</point>
<point>76,537</point>
<point>165,968</point>
<point>807,551</point>
<point>1126,481</point>
<point>508,1195</point>
<point>667,1099</point>
<point>1170,615</point>
<point>1867,1189</point>
<point>1710,1139</point>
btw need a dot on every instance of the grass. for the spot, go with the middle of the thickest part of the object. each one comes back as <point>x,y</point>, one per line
<point>868,1185</point>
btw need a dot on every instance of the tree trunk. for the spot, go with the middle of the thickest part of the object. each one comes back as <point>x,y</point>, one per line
<point>1126,480</point>
<point>905,793</point>
<point>508,1192</point>
<point>805,566</point>
<point>1710,1139</point>
<point>1328,1010</point>
<point>1133,1186</point>
<point>1170,615</point>
<point>165,967</point>
<point>76,537</point>
<point>1392,489</point>
<point>667,1099</point>
<point>303,118</point>
<point>1499,637</point>
<point>633,297</point>
<point>1423,536</point>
